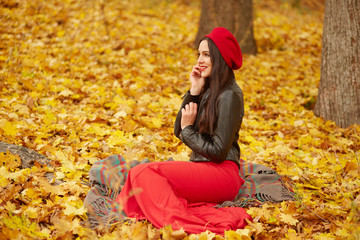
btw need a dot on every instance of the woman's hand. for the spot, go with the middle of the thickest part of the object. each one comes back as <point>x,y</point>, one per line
<point>197,82</point>
<point>188,115</point>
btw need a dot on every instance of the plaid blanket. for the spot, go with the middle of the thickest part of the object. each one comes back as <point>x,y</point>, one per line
<point>262,184</point>
<point>107,176</point>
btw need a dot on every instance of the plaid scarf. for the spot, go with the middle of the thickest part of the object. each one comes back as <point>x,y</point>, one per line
<point>107,176</point>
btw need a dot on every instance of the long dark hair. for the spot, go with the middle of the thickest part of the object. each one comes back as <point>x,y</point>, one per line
<point>221,76</point>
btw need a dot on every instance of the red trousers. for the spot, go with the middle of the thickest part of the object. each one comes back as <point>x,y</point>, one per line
<point>184,194</point>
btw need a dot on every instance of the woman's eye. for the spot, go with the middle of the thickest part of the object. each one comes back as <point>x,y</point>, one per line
<point>203,54</point>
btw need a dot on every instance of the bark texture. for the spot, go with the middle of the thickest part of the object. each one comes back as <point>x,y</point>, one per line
<point>28,158</point>
<point>339,90</point>
<point>235,15</point>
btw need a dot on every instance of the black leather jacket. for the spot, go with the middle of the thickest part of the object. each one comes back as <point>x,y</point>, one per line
<point>222,144</point>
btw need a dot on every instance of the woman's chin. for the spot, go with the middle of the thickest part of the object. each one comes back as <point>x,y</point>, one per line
<point>204,74</point>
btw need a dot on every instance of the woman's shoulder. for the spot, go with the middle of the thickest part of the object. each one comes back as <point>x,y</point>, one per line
<point>233,91</point>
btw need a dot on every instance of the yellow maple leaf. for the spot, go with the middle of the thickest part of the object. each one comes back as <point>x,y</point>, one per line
<point>289,219</point>
<point>10,161</point>
<point>11,207</point>
<point>129,125</point>
<point>59,175</point>
<point>71,210</point>
<point>49,118</point>
<point>9,128</point>
<point>232,235</point>
<point>254,226</point>
<point>138,231</point>
<point>342,233</point>
<point>98,129</point>
<point>156,122</point>
<point>31,212</point>
<point>206,235</point>
<point>117,138</point>
<point>66,93</point>
<point>293,235</point>
<point>31,193</point>
<point>60,33</point>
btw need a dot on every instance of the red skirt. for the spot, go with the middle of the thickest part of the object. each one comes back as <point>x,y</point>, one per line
<point>184,194</point>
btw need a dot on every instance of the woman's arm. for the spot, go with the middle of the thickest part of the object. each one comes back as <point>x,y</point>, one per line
<point>193,95</point>
<point>217,146</point>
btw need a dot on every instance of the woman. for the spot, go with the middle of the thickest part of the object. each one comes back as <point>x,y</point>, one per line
<point>184,194</point>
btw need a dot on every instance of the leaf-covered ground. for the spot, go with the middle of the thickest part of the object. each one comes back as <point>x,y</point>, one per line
<point>81,80</point>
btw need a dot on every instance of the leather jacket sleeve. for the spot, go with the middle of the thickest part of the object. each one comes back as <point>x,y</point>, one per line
<point>216,147</point>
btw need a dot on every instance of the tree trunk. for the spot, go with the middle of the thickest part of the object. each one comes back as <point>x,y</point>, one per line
<point>339,90</point>
<point>235,15</point>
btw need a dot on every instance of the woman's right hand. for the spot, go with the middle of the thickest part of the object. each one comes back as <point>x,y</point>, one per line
<point>197,82</point>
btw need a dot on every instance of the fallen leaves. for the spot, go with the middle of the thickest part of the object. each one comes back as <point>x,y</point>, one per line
<point>82,80</point>
<point>10,161</point>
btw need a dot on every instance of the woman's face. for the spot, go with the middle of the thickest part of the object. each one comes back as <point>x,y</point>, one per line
<point>204,61</point>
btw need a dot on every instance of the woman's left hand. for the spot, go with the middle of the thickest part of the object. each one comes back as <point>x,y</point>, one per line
<point>188,115</point>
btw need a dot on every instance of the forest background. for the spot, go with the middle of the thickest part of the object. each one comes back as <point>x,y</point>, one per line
<point>82,80</point>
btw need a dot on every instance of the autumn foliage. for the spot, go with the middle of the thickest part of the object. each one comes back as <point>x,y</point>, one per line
<point>81,80</point>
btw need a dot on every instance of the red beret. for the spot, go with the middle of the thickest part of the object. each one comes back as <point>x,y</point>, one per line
<point>228,46</point>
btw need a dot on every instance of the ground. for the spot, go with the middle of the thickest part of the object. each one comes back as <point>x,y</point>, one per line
<point>81,80</point>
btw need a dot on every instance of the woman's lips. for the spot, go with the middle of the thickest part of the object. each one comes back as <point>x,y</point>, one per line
<point>202,68</point>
